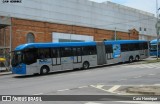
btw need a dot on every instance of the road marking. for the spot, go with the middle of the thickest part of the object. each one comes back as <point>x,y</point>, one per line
<point>157,84</point>
<point>82,86</point>
<point>114,88</point>
<point>151,74</point>
<point>111,90</point>
<point>63,90</point>
<point>38,94</point>
<point>98,87</point>
<point>92,103</point>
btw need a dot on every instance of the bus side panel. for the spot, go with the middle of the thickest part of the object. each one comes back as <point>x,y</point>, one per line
<point>125,55</point>
<point>42,62</point>
<point>31,69</point>
<point>144,54</point>
<point>113,61</point>
<point>67,63</point>
<point>92,59</point>
<point>20,69</point>
<point>56,64</point>
<point>77,65</point>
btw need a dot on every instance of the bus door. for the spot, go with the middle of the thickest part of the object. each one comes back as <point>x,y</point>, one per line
<point>66,58</point>
<point>77,54</point>
<point>144,50</point>
<point>56,59</point>
<point>101,54</point>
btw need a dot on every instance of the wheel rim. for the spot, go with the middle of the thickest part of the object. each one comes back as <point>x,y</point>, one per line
<point>130,60</point>
<point>137,58</point>
<point>44,70</point>
<point>85,66</point>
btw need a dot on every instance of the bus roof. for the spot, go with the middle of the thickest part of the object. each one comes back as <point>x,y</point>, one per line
<point>48,45</point>
<point>154,41</point>
<point>72,44</point>
<point>124,41</point>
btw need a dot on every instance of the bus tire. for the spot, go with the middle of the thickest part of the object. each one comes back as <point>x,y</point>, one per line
<point>137,58</point>
<point>86,65</point>
<point>44,70</point>
<point>130,59</point>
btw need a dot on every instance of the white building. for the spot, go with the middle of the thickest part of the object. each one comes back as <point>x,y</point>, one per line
<point>105,15</point>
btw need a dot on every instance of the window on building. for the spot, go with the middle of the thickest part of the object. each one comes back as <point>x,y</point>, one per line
<point>140,29</point>
<point>145,29</point>
<point>30,38</point>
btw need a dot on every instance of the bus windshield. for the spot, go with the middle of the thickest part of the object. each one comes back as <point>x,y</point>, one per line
<point>28,56</point>
<point>153,47</point>
<point>17,58</point>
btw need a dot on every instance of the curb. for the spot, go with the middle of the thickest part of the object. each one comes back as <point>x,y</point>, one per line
<point>5,73</point>
<point>146,90</point>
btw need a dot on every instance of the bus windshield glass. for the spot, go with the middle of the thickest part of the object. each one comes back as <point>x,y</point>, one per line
<point>30,56</point>
<point>153,47</point>
<point>17,58</point>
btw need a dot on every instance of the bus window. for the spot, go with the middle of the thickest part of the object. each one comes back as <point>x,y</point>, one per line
<point>77,51</point>
<point>55,53</point>
<point>44,53</point>
<point>109,49</point>
<point>89,50</point>
<point>30,56</point>
<point>132,47</point>
<point>17,58</point>
<point>145,45</point>
<point>66,52</point>
<point>124,47</point>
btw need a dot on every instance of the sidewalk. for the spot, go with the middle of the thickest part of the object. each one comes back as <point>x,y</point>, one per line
<point>143,90</point>
<point>5,73</point>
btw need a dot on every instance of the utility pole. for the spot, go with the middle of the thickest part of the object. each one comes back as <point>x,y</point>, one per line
<point>115,34</point>
<point>157,27</point>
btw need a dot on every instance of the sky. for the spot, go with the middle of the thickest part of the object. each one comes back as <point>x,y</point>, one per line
<point>145,5</point>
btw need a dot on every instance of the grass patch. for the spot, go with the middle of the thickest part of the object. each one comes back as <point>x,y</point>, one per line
<point>152,61</point>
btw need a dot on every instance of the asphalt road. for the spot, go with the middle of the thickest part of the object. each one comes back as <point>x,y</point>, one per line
<point>95,81</point>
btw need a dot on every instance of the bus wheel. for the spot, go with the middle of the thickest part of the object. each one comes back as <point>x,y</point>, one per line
<point>137,58</point>
<point>85,65</point>
<point>44,70</point>
<point>130,59</point>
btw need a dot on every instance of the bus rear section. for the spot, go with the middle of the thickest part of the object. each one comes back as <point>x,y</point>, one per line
<point>153,48</point>
<point>111,52</point>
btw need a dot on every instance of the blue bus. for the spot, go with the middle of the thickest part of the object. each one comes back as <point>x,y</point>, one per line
<point>153,48</point>
<point>42,58</point>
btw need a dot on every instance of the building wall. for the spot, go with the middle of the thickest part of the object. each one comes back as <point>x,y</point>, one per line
<point>43,31</point>
<point>83,13</point>
<point>5,37</point>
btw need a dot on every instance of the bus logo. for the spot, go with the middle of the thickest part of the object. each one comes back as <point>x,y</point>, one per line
<point>6,98</point>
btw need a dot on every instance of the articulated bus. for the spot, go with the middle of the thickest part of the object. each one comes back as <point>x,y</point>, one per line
<point>153,48</point>
<point>43,58</point>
